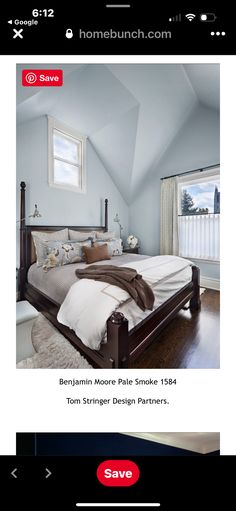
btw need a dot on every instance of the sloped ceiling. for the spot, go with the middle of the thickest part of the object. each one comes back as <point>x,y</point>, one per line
<point>130,112</point>
<point>205,79</point>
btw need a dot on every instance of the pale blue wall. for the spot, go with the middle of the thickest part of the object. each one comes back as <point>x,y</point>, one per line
<point>60,207</point>
<point>195,146</point>
<point>209,269</point>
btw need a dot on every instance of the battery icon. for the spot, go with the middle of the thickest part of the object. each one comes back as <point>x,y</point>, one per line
<point>208,16</point>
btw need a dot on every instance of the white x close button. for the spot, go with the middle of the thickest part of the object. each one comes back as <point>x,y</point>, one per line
<point>18,33</point>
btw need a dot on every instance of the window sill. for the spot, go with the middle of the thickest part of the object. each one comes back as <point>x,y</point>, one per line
<point>68,188</point>
<point>210,261</point>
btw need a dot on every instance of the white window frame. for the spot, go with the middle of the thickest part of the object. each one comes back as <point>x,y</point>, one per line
<point>205,176</point>
<point>54,124</point>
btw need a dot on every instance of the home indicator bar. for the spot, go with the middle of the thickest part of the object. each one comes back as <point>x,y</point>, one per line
<point>118,504</point>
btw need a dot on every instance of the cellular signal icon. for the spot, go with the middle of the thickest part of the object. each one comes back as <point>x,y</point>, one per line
<point>190,17</point>
<point>176,18</point>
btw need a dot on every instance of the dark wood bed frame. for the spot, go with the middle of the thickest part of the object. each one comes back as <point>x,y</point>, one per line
<point>122,345</point>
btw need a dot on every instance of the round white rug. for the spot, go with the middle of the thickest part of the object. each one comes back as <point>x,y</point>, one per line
<point>53,350</point>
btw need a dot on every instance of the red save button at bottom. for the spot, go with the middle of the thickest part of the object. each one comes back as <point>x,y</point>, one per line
<point>118,473</point>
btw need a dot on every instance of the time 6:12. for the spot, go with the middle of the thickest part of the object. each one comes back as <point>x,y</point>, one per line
<point>46,13</point>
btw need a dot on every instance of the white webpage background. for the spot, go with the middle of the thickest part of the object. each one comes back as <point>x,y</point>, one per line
<point>203,400</point>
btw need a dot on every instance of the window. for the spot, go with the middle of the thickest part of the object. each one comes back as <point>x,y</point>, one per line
<point>199,215</point>
<point>66,161</point>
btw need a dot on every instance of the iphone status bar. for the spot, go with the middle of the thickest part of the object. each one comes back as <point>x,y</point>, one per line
<point>111,28</point>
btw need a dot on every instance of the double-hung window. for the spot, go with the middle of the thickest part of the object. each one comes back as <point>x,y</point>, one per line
<point>199,215</point>
<point>66,157</point>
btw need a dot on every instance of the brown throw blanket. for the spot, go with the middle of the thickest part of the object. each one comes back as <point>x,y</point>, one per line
<point>123,277</point>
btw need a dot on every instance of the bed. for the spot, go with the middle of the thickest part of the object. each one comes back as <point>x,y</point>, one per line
<point>125,338</point>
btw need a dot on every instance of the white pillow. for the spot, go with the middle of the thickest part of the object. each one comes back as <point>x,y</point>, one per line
<point>105,236</point>
<point>81,235</point>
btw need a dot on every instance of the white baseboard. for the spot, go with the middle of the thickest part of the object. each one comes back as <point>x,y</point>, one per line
<point>210,283</point>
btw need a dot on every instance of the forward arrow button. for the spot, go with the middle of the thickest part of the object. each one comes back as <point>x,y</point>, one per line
<point>48,473</point>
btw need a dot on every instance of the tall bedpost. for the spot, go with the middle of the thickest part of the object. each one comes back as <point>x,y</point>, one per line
<point>22,240</point>
<point>195,302</point>
<point>106,214</point>
<point>118,340</point>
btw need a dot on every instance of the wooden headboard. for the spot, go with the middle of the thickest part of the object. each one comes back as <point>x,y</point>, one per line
<point>26,244</point>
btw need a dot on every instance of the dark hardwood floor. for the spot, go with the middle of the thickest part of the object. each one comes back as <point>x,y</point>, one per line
<point>189,341</point>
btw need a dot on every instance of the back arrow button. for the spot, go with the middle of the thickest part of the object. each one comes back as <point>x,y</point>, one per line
<point>13,473</point>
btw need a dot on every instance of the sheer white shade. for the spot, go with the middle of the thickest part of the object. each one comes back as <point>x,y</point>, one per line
<point>199,236</point>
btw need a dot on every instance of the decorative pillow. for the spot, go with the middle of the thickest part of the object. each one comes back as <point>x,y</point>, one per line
<point>105,236</point>
<point>114,246</point>
<point>96,253</point>
<point>60,253</point>
<point>39,236</point>
<point>81,235</point>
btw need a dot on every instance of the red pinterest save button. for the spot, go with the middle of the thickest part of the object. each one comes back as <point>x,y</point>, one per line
<point>118,473</point>
<point>42,77</point>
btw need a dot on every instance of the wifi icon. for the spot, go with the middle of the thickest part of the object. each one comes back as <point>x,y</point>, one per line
<point>190,17</point>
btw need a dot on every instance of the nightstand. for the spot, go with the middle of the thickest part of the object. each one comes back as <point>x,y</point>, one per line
<point>129,250</point>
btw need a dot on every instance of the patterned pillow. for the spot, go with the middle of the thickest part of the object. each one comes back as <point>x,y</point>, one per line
<point>114,246</point>
<point>59,253</point>
<point>39,237</point>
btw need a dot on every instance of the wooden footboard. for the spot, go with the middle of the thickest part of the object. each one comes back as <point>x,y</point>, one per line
<point>128,345</point>
<point>195,302</point>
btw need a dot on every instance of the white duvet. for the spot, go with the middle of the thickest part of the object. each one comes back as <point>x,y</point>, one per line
<point>89,303</point>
